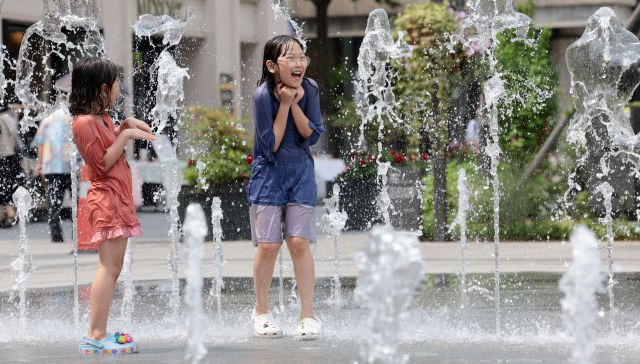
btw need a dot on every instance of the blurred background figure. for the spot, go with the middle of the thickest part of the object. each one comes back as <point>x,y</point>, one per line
<point>11,173</point>
<point>53,163</point>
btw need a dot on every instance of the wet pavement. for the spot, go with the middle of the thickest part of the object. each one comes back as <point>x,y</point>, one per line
<point>437,329</point>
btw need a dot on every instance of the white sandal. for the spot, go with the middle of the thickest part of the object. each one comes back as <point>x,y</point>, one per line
<point>308,329</point>
<point>263,326</point>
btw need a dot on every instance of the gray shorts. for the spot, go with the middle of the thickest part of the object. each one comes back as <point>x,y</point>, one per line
<point>268,222</point>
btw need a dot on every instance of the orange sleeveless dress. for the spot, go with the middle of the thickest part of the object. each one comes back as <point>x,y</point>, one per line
<point>110,204</point>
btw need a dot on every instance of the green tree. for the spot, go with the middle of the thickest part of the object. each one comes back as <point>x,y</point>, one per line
<point>531,81</point>
<point>426,84</point>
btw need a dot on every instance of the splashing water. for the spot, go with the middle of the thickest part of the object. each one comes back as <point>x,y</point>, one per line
<point>148,25</point>
<point>579,285</point>
<point>169,96</point>
<point>606,191</point>
<point>333,222</point>
<point>604,65</point>
<point>73,159</point>
<point>280,281</point>
<point>486,19</point>
<point>375,100</point>
<point>170,76</point>
<point>195,229</point>
<point>58,15</point>
<point>23,264</point>
<point>281,11</point>
<point>3,80</point>
<point>167,155</point>
<point>170,92</point>
<point>128,304</point>
<point>218,256</point>
<point>389,270</point>
<point>461,222</point>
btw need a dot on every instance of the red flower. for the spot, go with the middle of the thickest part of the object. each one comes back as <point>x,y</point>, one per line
<point>190,162</point>
<point>399,158</point>
<point>362,162</point>
<point>249,159</point>
<point>424,156</point>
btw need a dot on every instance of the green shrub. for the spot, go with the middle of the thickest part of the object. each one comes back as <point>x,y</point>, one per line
<point>218,144</point>
<point>526,213</point>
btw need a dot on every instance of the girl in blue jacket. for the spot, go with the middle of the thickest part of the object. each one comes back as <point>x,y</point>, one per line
<point>282,187</point>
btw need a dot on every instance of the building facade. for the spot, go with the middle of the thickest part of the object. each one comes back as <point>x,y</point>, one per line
<point>221,45</point>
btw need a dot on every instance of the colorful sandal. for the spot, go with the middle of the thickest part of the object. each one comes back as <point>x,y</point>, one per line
<point>118,343</point>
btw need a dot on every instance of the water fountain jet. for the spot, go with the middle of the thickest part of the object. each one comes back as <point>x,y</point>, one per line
<point>23,264</point>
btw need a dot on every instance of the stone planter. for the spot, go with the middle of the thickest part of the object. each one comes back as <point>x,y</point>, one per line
<point>358,200</point>
<point>235,208</point>
<point>635,118</point>
<point>406,212</point>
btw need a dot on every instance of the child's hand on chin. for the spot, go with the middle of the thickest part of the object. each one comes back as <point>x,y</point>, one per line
<point>286,94</point>
<point>299,94</point>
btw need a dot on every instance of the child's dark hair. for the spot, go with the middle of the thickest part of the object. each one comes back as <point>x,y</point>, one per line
<point>274,48</point>
<point>87,78</point>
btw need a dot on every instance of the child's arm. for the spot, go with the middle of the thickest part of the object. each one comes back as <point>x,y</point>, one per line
<point>132,123</point>
<point>286,95</point>
<point>115,150</point>
<point>312,114</point>
<point>300,119</point>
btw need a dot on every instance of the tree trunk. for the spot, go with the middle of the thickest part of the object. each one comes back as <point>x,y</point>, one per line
<point>323,56</point>
<point>322,60</point>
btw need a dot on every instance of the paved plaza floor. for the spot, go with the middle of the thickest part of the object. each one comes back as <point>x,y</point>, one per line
<point>288,350</point>
<point>54,263</point>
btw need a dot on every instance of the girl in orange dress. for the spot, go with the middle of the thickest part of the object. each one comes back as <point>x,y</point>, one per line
<point>94,89</point>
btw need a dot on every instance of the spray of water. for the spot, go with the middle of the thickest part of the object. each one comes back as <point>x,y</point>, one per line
<point>487,19</point>
<point>333,222</point>
<point>389,270</point>
<point>217,284</point>
<point>3,80</point>
<point>579,285</point>
<point>195,229</point>
<point>606,191</point>
<point>23,265</point>
<point>461,222</point>
<point>73,160</point>
<point>375,100</point>
<point>169,96</point>
<point>126,278</point>
<point>32,70</point>
<point>170,92</point>
<point>167,155</point>
<point>604,65</point>
<point>281,11</point>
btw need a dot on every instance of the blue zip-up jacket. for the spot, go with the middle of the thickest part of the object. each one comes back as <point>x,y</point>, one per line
<point>287,175</point>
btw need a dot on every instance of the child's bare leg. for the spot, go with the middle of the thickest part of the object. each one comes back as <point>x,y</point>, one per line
<point>304,270</point>
<point>263,263</point>
<point>111,256</point>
